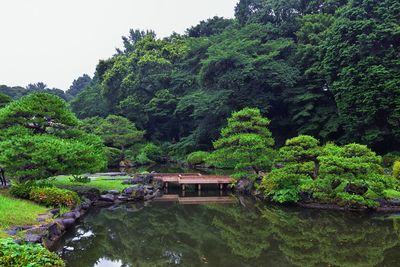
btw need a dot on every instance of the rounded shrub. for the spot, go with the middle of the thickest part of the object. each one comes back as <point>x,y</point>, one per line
<point>55,197</point>
<point>32,255</point>
<point>197,157</point>
<point>23,189</point>
<point>396,169</point>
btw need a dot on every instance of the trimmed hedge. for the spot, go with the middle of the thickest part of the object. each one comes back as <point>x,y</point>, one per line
<point>55,197</point>
<point>32,255</point>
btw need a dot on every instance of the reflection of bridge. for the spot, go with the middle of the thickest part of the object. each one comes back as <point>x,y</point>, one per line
<point>196,200</point>
<point>192,178</point>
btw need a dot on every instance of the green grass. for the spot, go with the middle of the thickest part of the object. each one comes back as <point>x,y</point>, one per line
<point>17,212</point>
<point>102,185</point>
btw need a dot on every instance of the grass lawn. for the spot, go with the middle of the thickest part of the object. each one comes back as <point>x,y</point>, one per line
<point>17,212</point>
<point>102,185</point>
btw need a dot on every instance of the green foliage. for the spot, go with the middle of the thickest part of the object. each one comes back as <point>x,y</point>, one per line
<point>4,100</point>
<point>390,193</point>
<point>152,152</point>
<point>197,157</point>
<point>43,156</point>
<point>246,142</point>
<point>113,155</point>
<point>80,179</point>
<point>396,169</point>
<point>32,255</point>
<point>39,139</point>
<point>54,197</point>
<point>363,70</point>
<point>23,189</point>
<point>79,85</point>
<point>324,68</point>
<point>348,175</point>
<point>43,113</point>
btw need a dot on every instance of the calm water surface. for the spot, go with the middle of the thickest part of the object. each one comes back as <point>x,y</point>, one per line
<point>245,233</point>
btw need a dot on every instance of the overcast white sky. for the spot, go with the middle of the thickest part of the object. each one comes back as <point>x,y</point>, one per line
<point>55,41</point>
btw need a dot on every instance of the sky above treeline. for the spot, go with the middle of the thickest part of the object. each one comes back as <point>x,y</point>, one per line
<point>56,41</point>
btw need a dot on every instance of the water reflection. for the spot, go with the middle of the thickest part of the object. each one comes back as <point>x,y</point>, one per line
<point>166,233</point>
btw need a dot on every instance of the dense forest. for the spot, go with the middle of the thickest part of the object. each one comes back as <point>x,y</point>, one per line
<point>330,69</point>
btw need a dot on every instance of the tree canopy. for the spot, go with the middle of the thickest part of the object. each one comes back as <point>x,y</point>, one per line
<point>324,68</point>
<point>39,139</point>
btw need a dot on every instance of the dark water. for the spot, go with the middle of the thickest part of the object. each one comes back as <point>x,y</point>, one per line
<point>167,233</point>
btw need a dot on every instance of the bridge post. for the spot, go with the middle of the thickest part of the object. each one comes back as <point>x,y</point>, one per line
<point>183,187</point>
<point>199,187</point>
<point>221,186</point>
<point>166,185</point>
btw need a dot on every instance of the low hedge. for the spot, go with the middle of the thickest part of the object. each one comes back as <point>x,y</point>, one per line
<point>55,197</point>
<point>32,255</point>
<point>23,189</point>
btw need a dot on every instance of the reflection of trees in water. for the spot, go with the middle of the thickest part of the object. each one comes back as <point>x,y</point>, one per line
<point>323,238</point>
<point>242,229</point>
<point>230,235</point>
<point>153,236</point>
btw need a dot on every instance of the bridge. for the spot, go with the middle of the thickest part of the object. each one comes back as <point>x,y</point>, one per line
<point>196,200</point>
<point>198,179</point>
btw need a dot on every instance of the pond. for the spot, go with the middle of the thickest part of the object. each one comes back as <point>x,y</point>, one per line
<point>243,233</point>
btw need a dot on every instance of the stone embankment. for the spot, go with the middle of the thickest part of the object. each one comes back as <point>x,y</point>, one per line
<point>142,188</point>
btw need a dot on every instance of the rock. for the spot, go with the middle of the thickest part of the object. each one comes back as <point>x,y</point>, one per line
<point>393,202</point>
<point>149,187</point>
<point>140,179</point>
<point>126,164</point>
<point>122,198</point>
<point>71,214</point>
<point>33,238</point>
<point>85,205</point>
<point>244,186</point>
<point>107,198</point>
<point>305,197</point>
<point>158,184</point>
<point>356,189</point>
<point>84,191</point>
<point>113,192</point>
<point>55,211</point>
<point>130,190</point>
<point>12,232</point>
<point>44,217</point>
<point>68,222</point>
<point>54,231</point>
<point>134,192</point>
<point>148,197</point>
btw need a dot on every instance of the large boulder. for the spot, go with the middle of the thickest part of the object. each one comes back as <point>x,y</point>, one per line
<point>136,192</point>
<point>244,186</point>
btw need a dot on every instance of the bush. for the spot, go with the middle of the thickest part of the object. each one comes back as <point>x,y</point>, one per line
<point>197,157</point>
<point>152,151</point>
<point>79,179</point>
<point>142,159</point>
<point>22,190</point>
<point>390,193</point>
<point>113,155</point>
<point>396,169</point>
<point>14,255</point>
<point>390,158</point>
<point>54,197</point>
